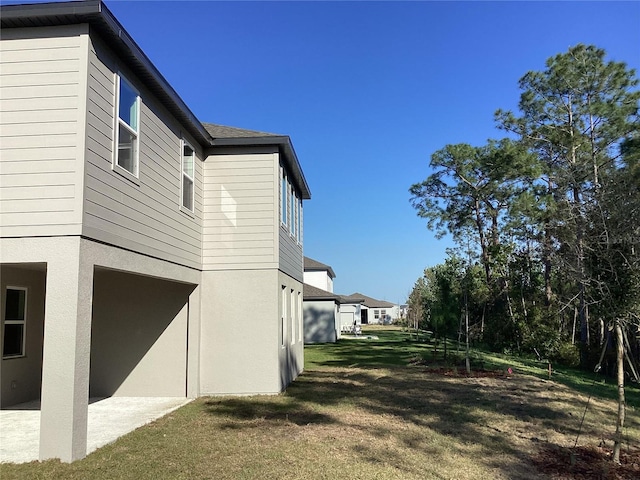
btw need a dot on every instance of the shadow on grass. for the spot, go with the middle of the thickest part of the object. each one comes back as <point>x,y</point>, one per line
<point>248,410</point>
<point>356,384</point>
<point>393,347</point>
<point>412,396</point>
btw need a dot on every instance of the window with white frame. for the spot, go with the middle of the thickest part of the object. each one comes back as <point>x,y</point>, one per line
<point>15,320</point>
<point>292,209</point>
<point>376,314</point>
<point>293,315</point>
<point>300,224</point>
<point>294,213</point>
<point>127,129</point>
<point>300,317</point>
<point>188,175</point>
<point>284,189</point>
<point>283,329</point>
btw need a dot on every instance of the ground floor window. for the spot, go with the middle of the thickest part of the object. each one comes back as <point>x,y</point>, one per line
<point>15,316</point>
<point>283,320</point>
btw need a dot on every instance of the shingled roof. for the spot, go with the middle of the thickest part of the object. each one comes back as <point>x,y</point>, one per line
<point>371,302</point>
<point>223,131</point>
<point>350,299</point>
<point>311,265</point>
<point>314,293</point>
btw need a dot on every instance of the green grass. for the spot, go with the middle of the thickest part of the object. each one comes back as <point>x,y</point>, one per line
<point>359,411</point>
<point>393,348</point>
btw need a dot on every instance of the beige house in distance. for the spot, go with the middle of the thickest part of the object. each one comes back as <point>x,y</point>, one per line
<point>143,253</point>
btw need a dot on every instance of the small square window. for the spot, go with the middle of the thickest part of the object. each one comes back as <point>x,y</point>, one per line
<point>15,313</point>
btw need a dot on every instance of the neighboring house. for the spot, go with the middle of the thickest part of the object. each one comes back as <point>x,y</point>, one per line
<point>143,253</point>
<point>350,312</point>
<point>321,307</point>
<point>376,311</point>
<point>318,274</point>
<point>321,315</point>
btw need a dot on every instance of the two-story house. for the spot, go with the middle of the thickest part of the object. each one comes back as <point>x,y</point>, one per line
<point>321,307</point>
<point>143,253</point>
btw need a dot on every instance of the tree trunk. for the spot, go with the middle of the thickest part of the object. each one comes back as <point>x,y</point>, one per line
<point>445,347</point>
<point>484,251</point>
<point>621,401</point>
<point>466,329</point>
<point>546,259</point>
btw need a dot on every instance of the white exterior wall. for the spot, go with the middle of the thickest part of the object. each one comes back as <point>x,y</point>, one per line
<point>349,312</point>
<point>43,84</point>
<point>142,215</point>
<point>319,279</point>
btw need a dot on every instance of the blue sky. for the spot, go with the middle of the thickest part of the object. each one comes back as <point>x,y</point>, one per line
<point>367,91</point>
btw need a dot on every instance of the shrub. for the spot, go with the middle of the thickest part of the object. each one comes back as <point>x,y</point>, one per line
<point>567,354</point>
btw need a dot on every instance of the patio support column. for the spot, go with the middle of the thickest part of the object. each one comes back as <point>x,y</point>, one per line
<point>193,344</point>
<point>66,353</point>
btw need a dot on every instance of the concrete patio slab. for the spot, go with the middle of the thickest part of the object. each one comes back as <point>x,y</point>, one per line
<point>109,419</point>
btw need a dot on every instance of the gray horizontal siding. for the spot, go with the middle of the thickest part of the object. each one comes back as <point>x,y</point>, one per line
<point>291,257</point>
<point>240,211</point>
<point>144,216</point>
<point>42,98</point>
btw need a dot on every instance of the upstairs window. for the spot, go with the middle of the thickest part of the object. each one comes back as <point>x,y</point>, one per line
<point>294,213</point>
<point>127,131</point>
<point>292,210</point>
<point>188,175</point>
<point>284,189</point>
<point>15,317</point>
<point>299,229</point>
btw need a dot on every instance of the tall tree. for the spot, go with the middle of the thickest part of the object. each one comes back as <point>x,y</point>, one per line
<point>469,195</point>
<point>575,116</point>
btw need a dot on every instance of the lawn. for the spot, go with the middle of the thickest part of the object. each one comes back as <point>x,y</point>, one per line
<point>378,409</point>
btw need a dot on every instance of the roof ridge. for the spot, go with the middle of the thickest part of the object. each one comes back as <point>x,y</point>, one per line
<point>225,131</point>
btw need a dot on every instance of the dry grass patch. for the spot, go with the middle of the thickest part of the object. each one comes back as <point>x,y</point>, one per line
<point>341,421</point>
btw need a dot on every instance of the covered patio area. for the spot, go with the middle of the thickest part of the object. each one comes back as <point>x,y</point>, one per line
<point>109,419</point>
